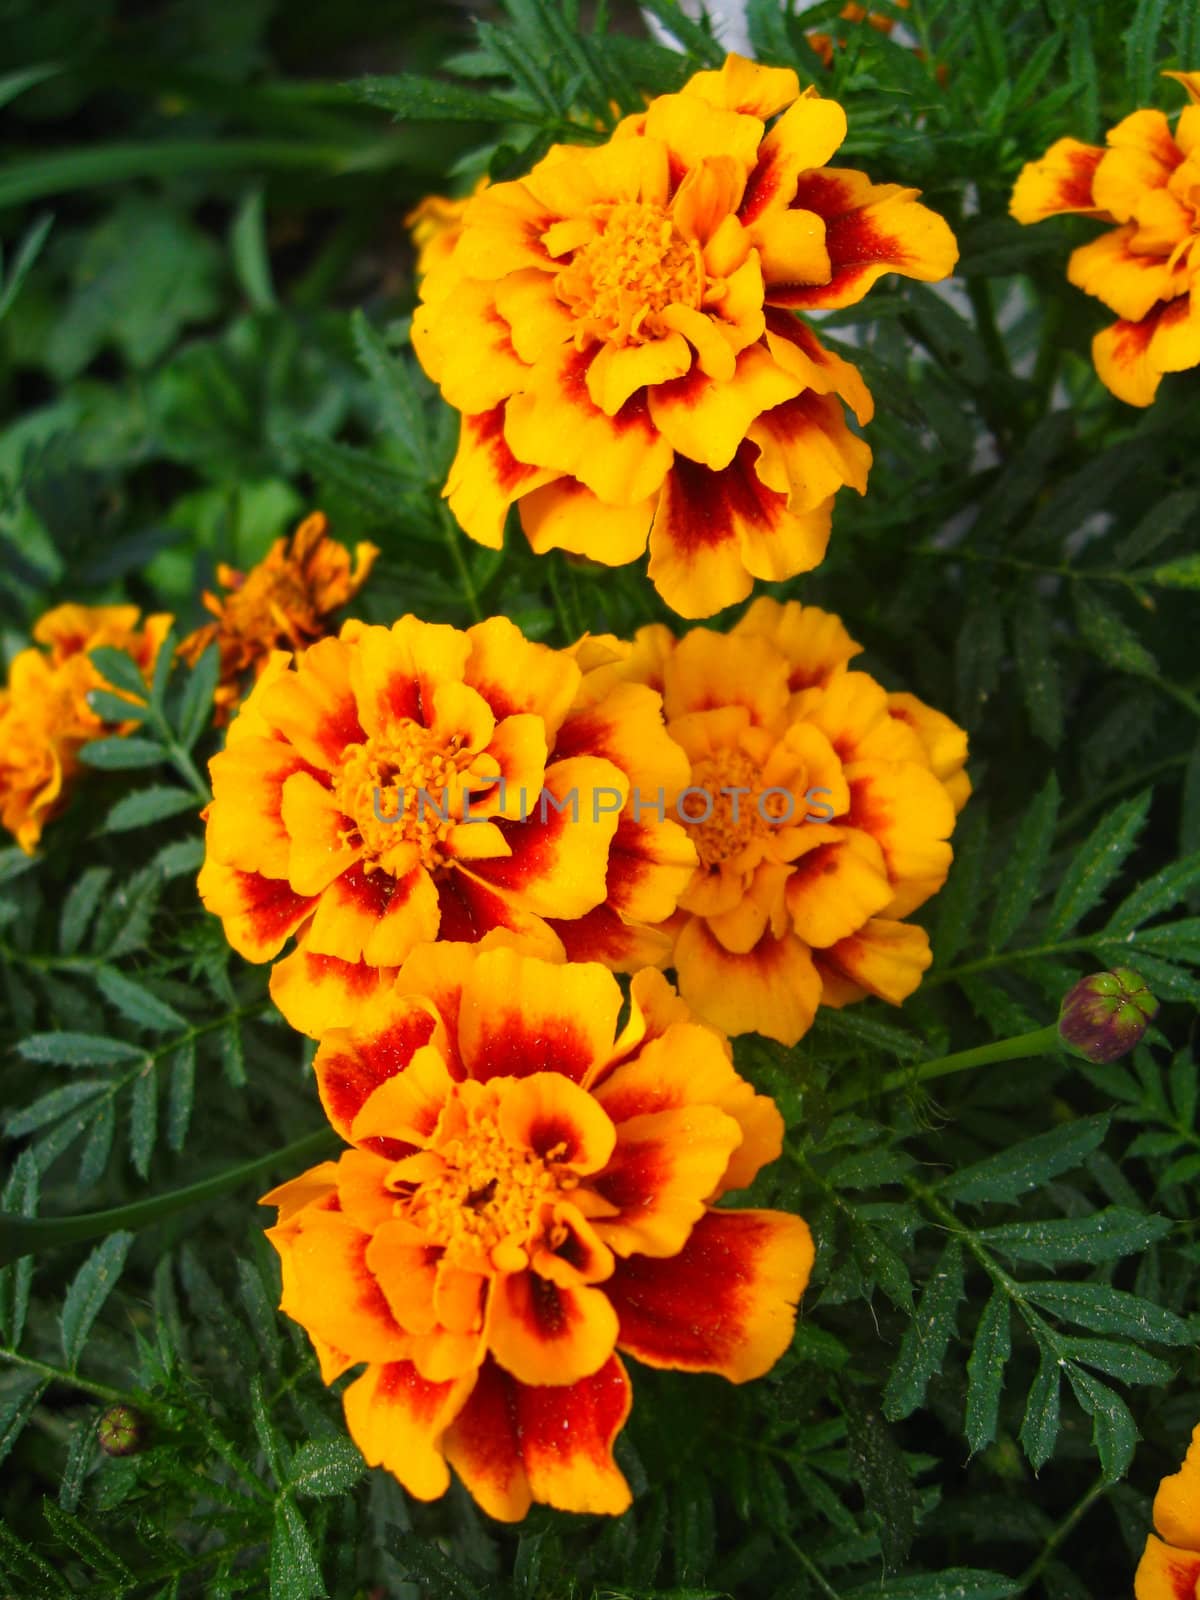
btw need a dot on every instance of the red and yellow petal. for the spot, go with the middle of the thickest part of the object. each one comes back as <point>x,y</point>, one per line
<point>548,1114</point>
<point>519,1016</point>
<point>248,777</point>
<point>334,1294</point>
<point>353,1062</point>
<point>617,372</point>
<point>796,348</point>
<point>397,1419</point>
<point>316,1184</point>
<point>566,515</point>
<point>603,935</point>
<point>884,958</point>
<point>815,642</point>
<point>316,992</point>
<point>316,829</point>
<point>1165,1573</point>
<point>549,1333</point>
<point>313,708</point>
<point>726,1303</point>
<point>706,421</point>
<point>373,917</point>
<point>259,914</point>
<point>774,989</point>
<point>746,86</point>
<point>907,811</point>
<point>1058,182</point>
<point>836,886</point>
<point>512,1444</point>
<point>515,674</point>
<point>666,1164</point>
<point>805,137</point>
<point>1177,1503</point>
<point>1126,282</point>
<point>485,477</point>
<point>807,452</point>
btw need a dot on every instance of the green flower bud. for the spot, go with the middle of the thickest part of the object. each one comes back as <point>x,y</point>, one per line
<point>122,1431</point>
<point>1104,1016</point>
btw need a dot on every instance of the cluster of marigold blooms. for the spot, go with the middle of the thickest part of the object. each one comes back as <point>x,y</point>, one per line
<point>449,842</point>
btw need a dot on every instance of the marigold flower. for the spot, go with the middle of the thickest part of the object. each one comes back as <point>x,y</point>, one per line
<point>821,811</point>
<point>518,783</point>
<point>436,224</point>
<point>1170,1565</point>
<point>617,330</point>
<point>528,1194</point>
<point>284,600</point>
<point>45,717</point>
<point>1146,269</point>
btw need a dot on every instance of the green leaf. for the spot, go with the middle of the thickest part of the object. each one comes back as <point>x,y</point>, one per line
<point>75,1533</point>
<point>78,1049</point>
<point>396,387</point>
<point>1039,1426</point>
<point>251,259</point>
<point>878,1467</point>
<point>383,494</point>
<point>294,1571</point>
<point>1025,868</point>
<point>112,708</point>
<point>955,1583</point>
<point>89,1289</point>
<point>121,671</point>
<point>1114,1431</point>
<point>79,906</point>
<point>427,100</point>
<point>958,903</point>
<point>326,1466</point>
<point>196,711</point>
<point>143,1119</point>
<point>1100,858</point>
<point>49,1107</point>
<point>180,1094</point>
<point>694,39</point>
<point>1104,1236</point>
<point>1107,1310</point>
<point>1025,1166</point>
<point>1127,1362</point>
<point>1112,639</point>
<point>985,1370</point>
<point>16,1410</point>
<point>19,1199</point>
<point>137,1003</point>
<point>923,1348</point>
<point>34,1578</point>
<point>1158,894</point>
<point>1181,574</point>
<point>1141,44</point>
<point>1037,667</point>
<point>119,754</point>
<point>147,806</point>
<point>28,250</point>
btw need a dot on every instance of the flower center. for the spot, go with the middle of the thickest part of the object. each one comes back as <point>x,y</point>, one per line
<point>735,818</point>
<point>488,1190</point>
<point>401,793</point>
<point>618,282</point>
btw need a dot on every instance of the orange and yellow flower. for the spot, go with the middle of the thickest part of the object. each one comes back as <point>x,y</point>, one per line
<point>1170,1566</point>
<point>45,717</point>
<point>821,810</point>
<point>281,602</point>
<point>517,782</point>
<point>529,1193</point>
<point>617,330</point>
<point>1146,182</point>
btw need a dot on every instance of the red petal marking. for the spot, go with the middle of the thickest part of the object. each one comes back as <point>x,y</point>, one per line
<point>507,472</point>
<point>270,904</point>
<point>548,1133</point>
<point>1076,189</point>
<point>348,1077</point>
<point>599,935</point>
<point>513,1045</point>
<point>828,196</point>
<point>704,506</point>
<point>692,1308</point>
<point>372,890</point>
<point>486,1430</point>
<point>815,864</point>
<point>557,1420</point>
<point>1130,340</point>
<point>762,186</point>
<point>539,1304</point>
<point>636,1174</point>
<point>337,728</point>
<point>1183,1576</point>
<point>689,390</point>
<point>469,908</point>
<point>534,843</point>
<point>868,809</point>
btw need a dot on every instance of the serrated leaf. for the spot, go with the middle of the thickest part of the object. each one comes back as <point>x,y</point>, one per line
<point>77,1049</point>
<point>143,1119</point>
<point>19,1199</point>
<point>1128,1362</point>
<point>77,1536</point>
<point>427,99</point>
<point>121,755</point>
<point>16,1410</point>
<point>1107,1310</point>
<point>326,1466</point>
<point>985,1370</point>
<point>1037,668</point>
<point>923,1348</point>
<point>138,1004</point>
<point>1025,867</point>
<point>878,1467</point>
<point>1039,1426</point>
<point>1111,638</point>
<point>1104,1236</point>
<point>1181,574</point>
<point>395,385</point>
<point>1114,1431</point>
<point>119,670</point>
<point>1157,894</point>
<point>79,906</point>
<point>147,806</point>
<point>1141,41</point>
<point>1096,864</point>
<point>80,1453</point>
<point>294,1571</point>
<point>57,1103</point>
<point>180,1094</point>
<point>954,1583</point>
<point>958,903</point>
<point>1027,1165</point>
<point>89,1289</point>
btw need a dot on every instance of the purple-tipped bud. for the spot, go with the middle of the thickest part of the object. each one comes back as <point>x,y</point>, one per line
<point>1104,1016</point>
<point>122,1431</point>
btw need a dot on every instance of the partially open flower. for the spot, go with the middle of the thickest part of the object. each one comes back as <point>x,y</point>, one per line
<point>617,330</point>
<point>1146,183</point>
<point>400,785</point>
<point>282,602</point>
<point>45,716</point>
<point>1103,1016</point>
<point>529,1193</point>
<point>1170,1567</point>
<point>821,808</point>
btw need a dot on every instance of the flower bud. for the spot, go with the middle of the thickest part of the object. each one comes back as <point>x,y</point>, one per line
<point>1105,1015</point>
<point>122,1431</point>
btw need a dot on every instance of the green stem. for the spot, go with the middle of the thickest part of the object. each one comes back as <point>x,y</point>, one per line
<point>1031,1575</point>
<point>99,1391</point>
<point>1040,1042</point>
<point>21,1236</point>
<point>454,540</point>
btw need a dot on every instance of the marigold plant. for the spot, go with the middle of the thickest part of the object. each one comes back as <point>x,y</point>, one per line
<point>393,786</point>
<point>45,715</point>
<point>529,1192</point>
<point>820,805</point>
<point>1170,1567</point>
<point>1146,181</point>
<point>617,330</point>
<point>280,603</point>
